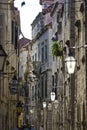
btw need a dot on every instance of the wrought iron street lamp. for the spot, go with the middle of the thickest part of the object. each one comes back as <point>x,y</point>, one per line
<point>70,63</point>
<point>45,115</point>
<point>52,96</point>
<point>19,108</point>
<point>2,58</point>
<point>13,85</point>
<point>54,110</point>
<point>44,104</point>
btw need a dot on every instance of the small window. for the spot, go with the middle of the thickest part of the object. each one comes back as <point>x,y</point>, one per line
<point>42,87</point>
<point>46,57</point>
<point>59,27</point>
<point>35,56</point>
<point>16,37</point>
<point>46,85</point>
<point>42,54</point>
<point>13,32</point>
<point>52,80</point>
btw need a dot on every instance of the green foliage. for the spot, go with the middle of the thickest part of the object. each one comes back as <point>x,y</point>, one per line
<point>57,48</point>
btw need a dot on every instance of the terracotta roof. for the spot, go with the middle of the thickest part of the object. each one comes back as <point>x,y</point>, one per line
<point>23,41</point>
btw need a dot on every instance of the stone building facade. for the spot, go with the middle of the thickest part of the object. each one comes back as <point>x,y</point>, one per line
<point>68,22</point>
<point>9,30</point>
<point>41,49</point>
<point>73,100</point>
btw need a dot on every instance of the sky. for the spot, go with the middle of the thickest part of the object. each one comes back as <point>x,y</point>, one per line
<point>28,13</point>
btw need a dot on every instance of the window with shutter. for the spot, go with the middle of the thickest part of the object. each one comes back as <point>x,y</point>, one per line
<point>13,31</point>
<point>33,93</point>
<point>2,22</point>
<point>46,56</point>
<point>16,37</point>
<point>45,86</point>
<point>42,54</point>
<point>53,81</point>
<point>42,87</point>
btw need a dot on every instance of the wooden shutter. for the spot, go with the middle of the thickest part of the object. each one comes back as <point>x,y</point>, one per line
<point>2,22</point>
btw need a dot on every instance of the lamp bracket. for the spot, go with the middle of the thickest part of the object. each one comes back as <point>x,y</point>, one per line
<point>77,47</point>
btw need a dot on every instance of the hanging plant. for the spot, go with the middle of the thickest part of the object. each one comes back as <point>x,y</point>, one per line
<point>57,49</point>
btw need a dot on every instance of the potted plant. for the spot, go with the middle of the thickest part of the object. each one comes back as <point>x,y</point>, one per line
<point>57,48</point>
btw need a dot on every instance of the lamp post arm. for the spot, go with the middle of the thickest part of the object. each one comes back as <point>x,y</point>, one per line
<point>77,47</point>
